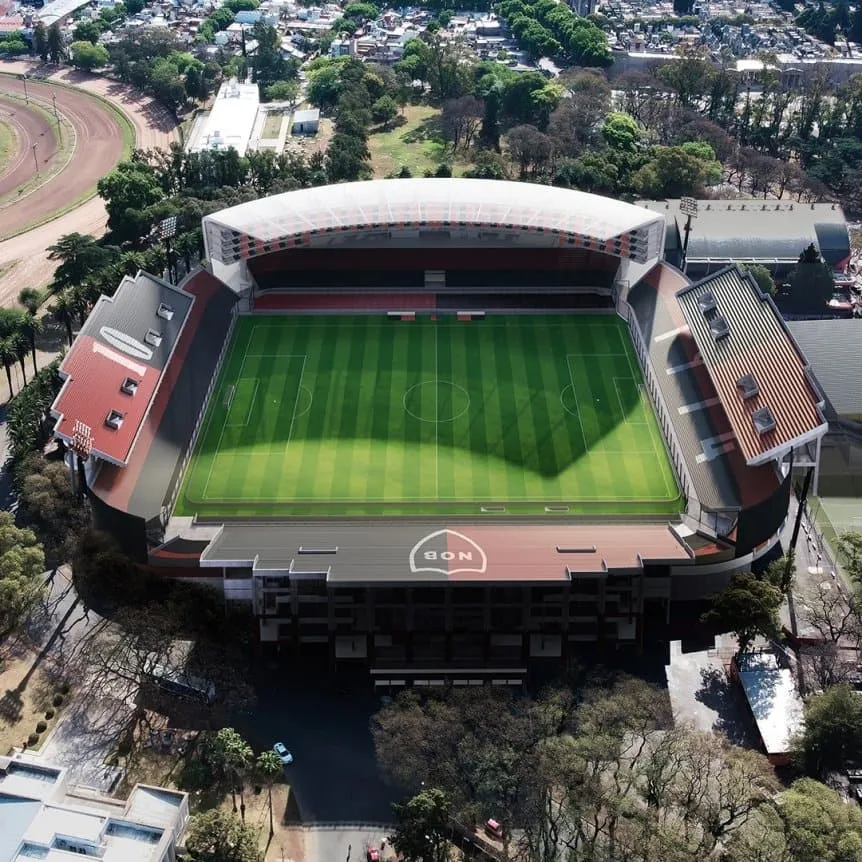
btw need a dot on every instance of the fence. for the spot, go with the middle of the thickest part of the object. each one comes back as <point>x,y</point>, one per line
<point>672,444</point>
<point>178,474</point>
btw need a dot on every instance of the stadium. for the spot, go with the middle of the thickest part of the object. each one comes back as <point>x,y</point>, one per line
<point>441,429</point>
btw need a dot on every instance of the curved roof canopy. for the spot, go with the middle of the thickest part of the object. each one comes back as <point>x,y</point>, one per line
<point>294,218</point>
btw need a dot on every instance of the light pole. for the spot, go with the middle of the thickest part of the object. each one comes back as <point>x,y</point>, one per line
<point>26,97</point>
<point>35,159</point>
<point>57,118</point>
<point>688,207</point>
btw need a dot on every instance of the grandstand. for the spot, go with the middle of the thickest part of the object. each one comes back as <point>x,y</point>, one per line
<point>442,428</point>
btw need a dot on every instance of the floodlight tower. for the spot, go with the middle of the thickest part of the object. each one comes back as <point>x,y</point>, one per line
<point>81,445</point>
<point>688,207</point>
<point>166,230</point>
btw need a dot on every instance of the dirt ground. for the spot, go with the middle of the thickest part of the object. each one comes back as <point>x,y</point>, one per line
<point>98,146</point>
<point>26,691</point>
<point>24,259</point>
<point>31,128</point>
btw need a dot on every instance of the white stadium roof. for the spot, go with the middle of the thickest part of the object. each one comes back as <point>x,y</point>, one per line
<point>294,218</point>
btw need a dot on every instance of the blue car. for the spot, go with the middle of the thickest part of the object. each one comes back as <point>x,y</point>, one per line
<point>280,749</point>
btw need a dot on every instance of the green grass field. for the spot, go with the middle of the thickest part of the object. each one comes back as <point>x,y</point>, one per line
<point>364,415</point>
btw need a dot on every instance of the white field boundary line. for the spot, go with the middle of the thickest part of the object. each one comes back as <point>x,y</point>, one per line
<point>244,423</point>
<point>295,403</point>
<point>626,420</point>
<point>660,450</point>
<point>436,414</point>
<point>337,501</point>
<point>215,455</point>
<point>205,498</point>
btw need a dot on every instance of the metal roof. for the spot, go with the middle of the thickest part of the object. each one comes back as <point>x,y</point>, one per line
<point>721,479</point>
<point>128,338</point>
<point>758,230</point>
<point>756,342</point>
<point>360,553</point>
<point>293,218</point>
<point>833,349</point>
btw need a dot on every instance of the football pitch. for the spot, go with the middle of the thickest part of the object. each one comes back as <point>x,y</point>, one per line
<point>364,415</point>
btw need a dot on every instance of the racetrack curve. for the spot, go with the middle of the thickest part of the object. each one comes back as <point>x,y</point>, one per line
<point>29,127</point>
<point>24,259</point>
<point>98,146</point>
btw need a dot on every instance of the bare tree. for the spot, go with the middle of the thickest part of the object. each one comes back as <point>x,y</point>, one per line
<point>461,120</point>
<point>530,149</point>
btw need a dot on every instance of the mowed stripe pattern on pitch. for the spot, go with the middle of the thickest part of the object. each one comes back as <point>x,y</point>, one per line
<point>363,415</point>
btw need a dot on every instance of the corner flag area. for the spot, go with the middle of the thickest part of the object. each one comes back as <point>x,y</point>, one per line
<point>368,416</point>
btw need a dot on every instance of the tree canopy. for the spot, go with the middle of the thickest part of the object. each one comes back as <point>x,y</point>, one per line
<point>220,836</point>
<point>833,730</point>
<point>749,607</point>
<point>22,563</point>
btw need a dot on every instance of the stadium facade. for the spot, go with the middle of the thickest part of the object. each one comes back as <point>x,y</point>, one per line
<point>475,593</point>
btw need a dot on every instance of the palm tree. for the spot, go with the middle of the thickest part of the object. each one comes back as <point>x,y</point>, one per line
<point>64,310</point>
<point>22,347</point>
<point>31,299</point>
<point>235,755</point>
<point>8,357</point>
<point>74,251</point>
<point>31,326</point>
<point>270,767</point>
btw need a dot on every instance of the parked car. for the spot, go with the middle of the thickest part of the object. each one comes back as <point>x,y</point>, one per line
<point>281,750</point>
<point>494,829</point>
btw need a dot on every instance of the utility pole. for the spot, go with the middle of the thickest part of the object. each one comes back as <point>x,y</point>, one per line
<point>35,159</point>
<point>26,97</point>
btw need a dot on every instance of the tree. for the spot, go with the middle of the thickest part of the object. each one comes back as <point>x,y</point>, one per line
<point>422,827</point>
<point>530,149</point>
<point>22,563</point>
<point>811,284</point>
<point>220,836</point>
<point>270,767</point>
<point>86,31</point>
<point>8,357</point>
<point>621,132</point>
<point>282,91</point>
<point>87,56</point>
<point>127,191</point>
<point>56,45</point>
<point>40,41</point>
<point>63,308</point>
<point>460,120</point>
<point>832,735</point>
<point>31,299</point>
<point>235,756</point>
<point>749,607</point>
<point>763,277</point>
<point>48,505</point>
<point>850,550</point>
<point>384,110</point>
<point>80,256</point>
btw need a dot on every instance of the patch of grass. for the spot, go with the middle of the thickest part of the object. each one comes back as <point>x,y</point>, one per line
<point>413,141</point>
<point>272,124</point>
<point>7,144</point>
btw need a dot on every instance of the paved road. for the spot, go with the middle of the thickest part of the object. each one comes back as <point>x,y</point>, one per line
<point>334,777</point>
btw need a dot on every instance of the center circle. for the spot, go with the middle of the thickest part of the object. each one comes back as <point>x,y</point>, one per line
<point>436,401</point>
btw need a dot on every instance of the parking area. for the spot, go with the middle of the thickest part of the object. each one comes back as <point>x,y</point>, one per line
<point>334,777</point>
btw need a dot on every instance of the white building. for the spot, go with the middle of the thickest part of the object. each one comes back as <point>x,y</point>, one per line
<point>230,122</point>
<point>41,817</point>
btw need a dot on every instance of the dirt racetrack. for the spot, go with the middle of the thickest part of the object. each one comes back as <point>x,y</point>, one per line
<point>24,259</point>
<point>98,147</point>
<point>30,127</point>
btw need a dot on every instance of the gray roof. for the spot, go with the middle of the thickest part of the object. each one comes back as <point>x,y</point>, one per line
<point>183,407</point>
<point>745,230</point>
<point>312,115</point>
<point>16,815</point>
<point>833,348</point>
<point>132,311</point>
